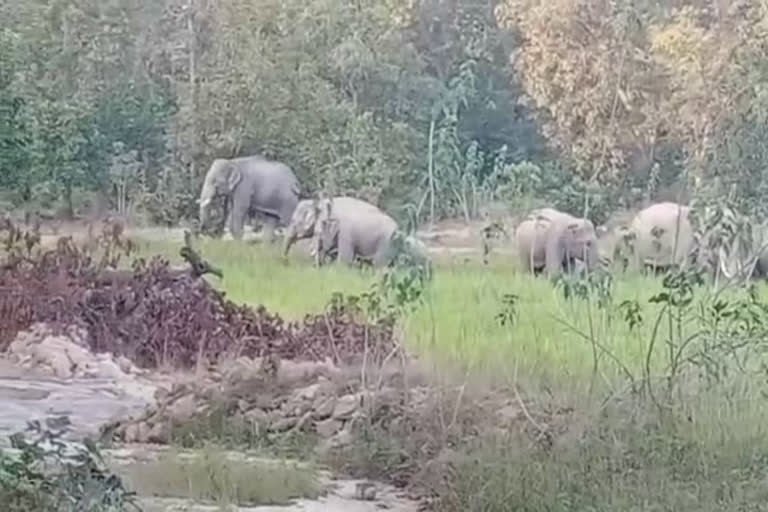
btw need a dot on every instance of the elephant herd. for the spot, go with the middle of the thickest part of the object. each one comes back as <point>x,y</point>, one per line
<point>350,229</point>
<point>344,228</point>
<point>657,237</point>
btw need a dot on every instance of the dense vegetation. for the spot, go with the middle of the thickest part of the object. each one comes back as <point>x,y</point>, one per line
<point>427,107</point>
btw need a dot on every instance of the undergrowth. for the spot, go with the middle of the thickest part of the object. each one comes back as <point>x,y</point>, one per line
<point>44,474</point>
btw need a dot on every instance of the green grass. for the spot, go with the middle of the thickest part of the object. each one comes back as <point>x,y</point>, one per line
<point>458,321</point>
<point>708,451</point>
<point>210,476</point>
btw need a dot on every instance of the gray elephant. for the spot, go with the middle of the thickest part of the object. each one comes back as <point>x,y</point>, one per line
<point>305,217</point>
<point>550,240</point>
<point>353,231</point>
<point>253,186</point>
<point>734,246</point>
<point>614,240</point>
<point>660,236</point>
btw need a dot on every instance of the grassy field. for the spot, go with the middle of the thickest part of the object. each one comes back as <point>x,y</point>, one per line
<point>550,336</point>
<point>708,450</point>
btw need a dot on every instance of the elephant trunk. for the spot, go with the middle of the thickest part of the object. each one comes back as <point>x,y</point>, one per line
<point>205,202</point>
<point>290,239</point>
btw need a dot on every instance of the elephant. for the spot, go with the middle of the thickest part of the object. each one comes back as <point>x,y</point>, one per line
<point>661,236</point>
<point>551,240</point>
<point>355,231</point>
<point>737,249</point>
<point>614,240</point>
<point>252,186</point>
<point>305,216</point>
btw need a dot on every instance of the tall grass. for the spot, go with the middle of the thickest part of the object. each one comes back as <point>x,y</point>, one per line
<point>701,447</point>
<point>457,321</point>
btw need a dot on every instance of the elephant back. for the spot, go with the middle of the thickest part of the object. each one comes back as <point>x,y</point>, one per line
<point>662,234</point>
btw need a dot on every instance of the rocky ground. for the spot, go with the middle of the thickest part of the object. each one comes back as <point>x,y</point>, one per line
<point>117,355</point>
<point>55,379</point>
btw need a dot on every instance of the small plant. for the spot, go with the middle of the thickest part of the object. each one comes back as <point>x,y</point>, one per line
<point>508,314</point>
<point>45,478</point>
<point>597,283</point>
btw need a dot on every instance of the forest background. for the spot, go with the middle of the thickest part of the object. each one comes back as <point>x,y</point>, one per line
<point>428,108</point>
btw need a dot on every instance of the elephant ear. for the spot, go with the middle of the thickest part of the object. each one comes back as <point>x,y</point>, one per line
<point>235,176</point>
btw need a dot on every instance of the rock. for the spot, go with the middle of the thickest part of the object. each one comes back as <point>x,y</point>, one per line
<point>182,409</point>
<point>365,491</point>
<point>345,406</point>
<point>159,434</point>
<point>296,406</point>
<point>263,401</point>
<point>374,400</point>
<point>125,364</point>
<point>143,432</point>
<point>293,373</point>
<point>241,369</point>
<point>257,416</point>
<point>328,428</point>
<point>110,369</point>
<point>161,394</point>
<point>341,439</point>
<point>309,393</point>
<point>323,407</point>
<point>510,413</point>
<point>303,421</point>
<point>283,424</point>
<point>131,434</point>
<point>61,365</point>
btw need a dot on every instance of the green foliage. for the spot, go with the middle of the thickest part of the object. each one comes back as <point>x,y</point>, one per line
<point>48,475</point>
<point>428,109</point>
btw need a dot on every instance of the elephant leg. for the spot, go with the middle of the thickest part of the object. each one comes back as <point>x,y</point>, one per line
<point>317,251</point>
<point>236,219</point>
<point>269,226</point>
<point>384,254</point>
<point>526,260</point>
<point>346,251</point>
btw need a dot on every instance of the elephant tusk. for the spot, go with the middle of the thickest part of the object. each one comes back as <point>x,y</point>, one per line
<point>724,265</point>
<point>204,202</point>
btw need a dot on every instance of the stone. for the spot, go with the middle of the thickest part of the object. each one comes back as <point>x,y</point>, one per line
<point>283,424</point>
<point>374,400</point>
<point>365,491</point>
<point>182,409</point>
<point>292,373</point>
<point>242,369</point>
<point>61,366</point>
<point>125,364</point>
<point>158,434</point>
<point>143,432</point>
<point>161,394</point>
<point>263,401</point>
<point>328,428</point>
<point>510,413</point>
<point>345,406</point>
<point>341,439</point>
<point>307,393</point>
<point>303,421</point>
<point>131,434</point>
<point>323,408</point>
<point>109,369</point>
<point>257,416</point>
<point>296,406</point>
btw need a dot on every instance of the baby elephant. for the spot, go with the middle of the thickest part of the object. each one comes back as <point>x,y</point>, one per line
<point>550,240</point>
<point>349,227</point>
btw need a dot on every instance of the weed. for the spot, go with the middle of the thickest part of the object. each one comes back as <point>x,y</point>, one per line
<point>48,475</point>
